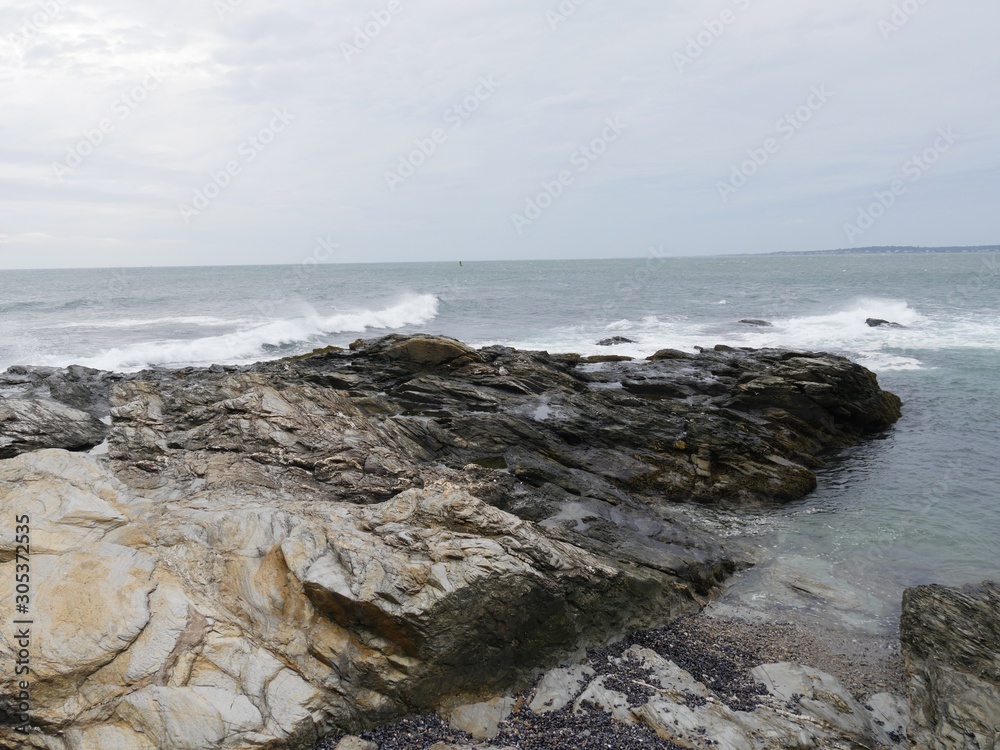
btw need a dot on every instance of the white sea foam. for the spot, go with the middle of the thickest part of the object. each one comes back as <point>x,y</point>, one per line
<point>257,342</point>
<point>183,320</point>
<point>843,330</point>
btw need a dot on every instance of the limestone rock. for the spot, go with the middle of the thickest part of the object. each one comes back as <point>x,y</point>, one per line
<point>806,709</point>
<point>682,710</point>
<point>598,695</point>
<point>951,643</point>
<point>892,713</point>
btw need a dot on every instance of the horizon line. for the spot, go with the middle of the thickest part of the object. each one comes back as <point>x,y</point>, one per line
<point>765,253</point>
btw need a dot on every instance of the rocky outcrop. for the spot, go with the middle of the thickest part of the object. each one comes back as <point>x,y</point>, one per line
<point>50,407</point>
<point>880,323</point>
<point>228,620</point>
<point>269,553</point>
<point>82,388</point>
<point>615,341</point>
<point>30,425</point>
<point>951,642</point>
<point>729,427</point>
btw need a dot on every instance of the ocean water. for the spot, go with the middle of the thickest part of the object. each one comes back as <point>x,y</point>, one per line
<point>921,505</point>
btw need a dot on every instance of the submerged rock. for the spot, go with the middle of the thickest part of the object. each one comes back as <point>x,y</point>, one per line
<point>951,642</point>
<point>270,553</point>
<point>756,322</point>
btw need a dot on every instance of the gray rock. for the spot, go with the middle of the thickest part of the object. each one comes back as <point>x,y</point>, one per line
<point>951,643</point>
<point>821,696</point>
<point>615,341</point>
<point>880,323</point>
<point>80,387</point>
<point>756,322</point>
<point>31,425</point>
<point>355,743</point>
<point>481,720</point>
<point>559,687</point>
<point>892,713</point>
<point>598,695</point>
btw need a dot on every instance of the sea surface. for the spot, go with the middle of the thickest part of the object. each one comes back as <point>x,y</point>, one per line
<point>920,505</point>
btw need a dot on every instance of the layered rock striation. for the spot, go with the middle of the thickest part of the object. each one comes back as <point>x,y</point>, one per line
<point>951,643</point>
<point>270,553</point>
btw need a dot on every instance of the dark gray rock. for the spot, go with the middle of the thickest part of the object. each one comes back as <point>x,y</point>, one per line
<point>727,427</point>
<point>879,323</point>
<point>756,322</point>
<point>31,425</point>
<point>951,643</point>
<point>82,388</point>
<point>615,341</point>
<point>668,354</point>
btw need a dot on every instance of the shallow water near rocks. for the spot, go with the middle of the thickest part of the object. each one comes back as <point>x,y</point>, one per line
<point>920,505</point>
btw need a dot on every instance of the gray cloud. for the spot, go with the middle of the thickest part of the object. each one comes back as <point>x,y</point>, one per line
<point>356,117</point>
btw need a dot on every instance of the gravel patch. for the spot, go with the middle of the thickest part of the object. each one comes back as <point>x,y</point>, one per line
<point>591,729</point>
<point>719,652</point>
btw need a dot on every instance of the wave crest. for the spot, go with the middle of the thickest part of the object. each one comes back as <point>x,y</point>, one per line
<point>265,339</point>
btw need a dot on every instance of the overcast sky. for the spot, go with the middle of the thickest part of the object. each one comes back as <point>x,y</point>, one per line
<point>243,131</point>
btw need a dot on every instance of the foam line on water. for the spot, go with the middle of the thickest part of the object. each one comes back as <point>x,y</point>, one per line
<point>843,330</point>
<point>183,320</point>
<point>260,341</point>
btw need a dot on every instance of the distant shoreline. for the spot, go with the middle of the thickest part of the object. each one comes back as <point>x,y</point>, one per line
<point>653,255</point>
<point>888,250</point>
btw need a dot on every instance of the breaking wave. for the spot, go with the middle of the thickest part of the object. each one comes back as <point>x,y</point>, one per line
<point>266,339</point>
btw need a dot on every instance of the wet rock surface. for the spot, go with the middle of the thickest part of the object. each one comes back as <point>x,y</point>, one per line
<point>725,427</point>
<point>275,552</point>
<point>880,323</point>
